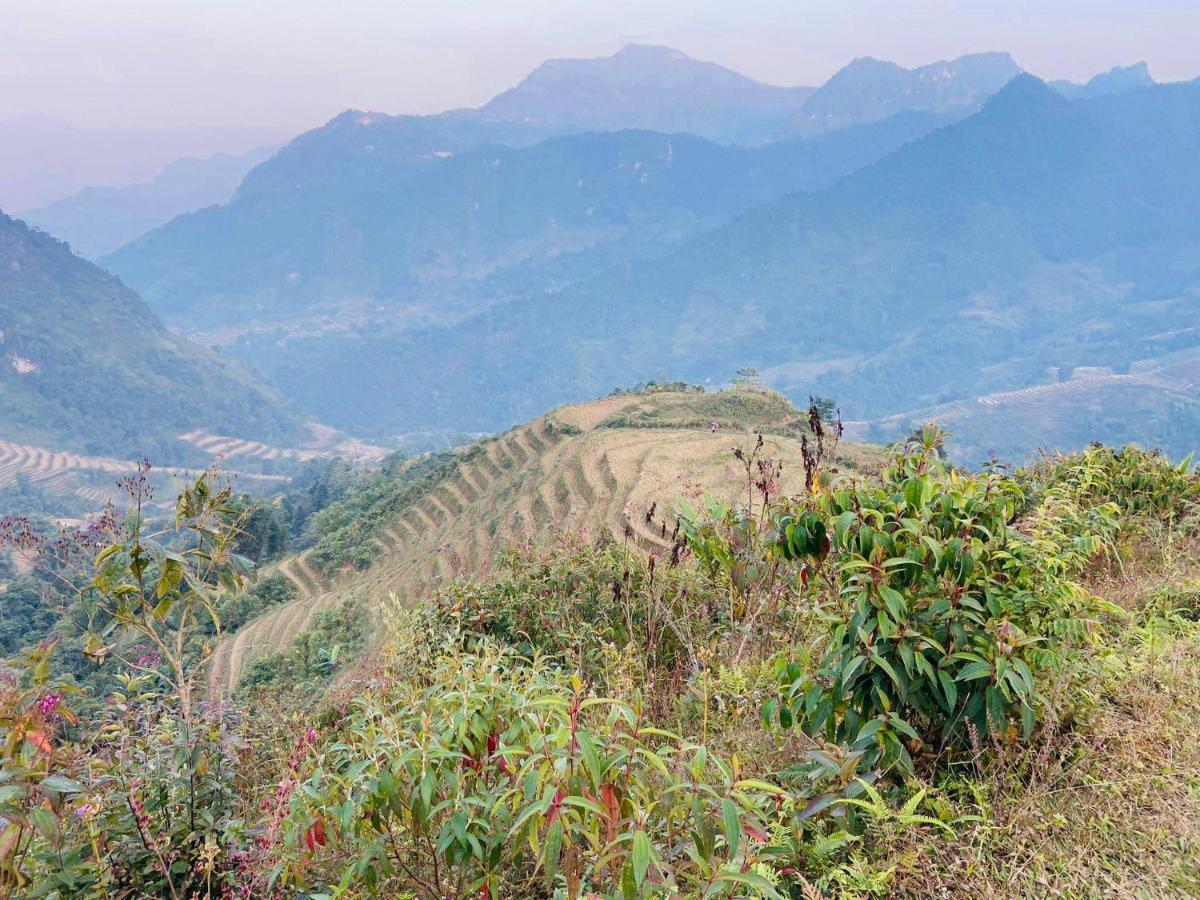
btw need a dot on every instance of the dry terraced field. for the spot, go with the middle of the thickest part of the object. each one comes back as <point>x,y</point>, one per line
<point>533,484</point>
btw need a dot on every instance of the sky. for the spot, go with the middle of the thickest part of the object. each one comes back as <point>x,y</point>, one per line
<point>236,73</point>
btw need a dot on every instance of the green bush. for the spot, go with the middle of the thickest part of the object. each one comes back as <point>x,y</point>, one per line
<point>576,599</point>
<point>493,775</point>
<point>298,672</point>
<point>941,614</point>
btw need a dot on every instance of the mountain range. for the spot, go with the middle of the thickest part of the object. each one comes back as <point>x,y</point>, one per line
<point>1037,237</point>
<point>934,235</point>
<point>435,239</point>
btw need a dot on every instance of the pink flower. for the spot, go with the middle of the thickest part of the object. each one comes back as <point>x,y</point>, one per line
<point>49,703</point>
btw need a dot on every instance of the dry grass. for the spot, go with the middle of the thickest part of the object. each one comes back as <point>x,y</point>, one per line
<point>586,416</point>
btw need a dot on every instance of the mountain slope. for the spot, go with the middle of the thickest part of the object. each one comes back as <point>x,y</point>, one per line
<point>374,232</point>
<point>868,89</point>
<point>655,88</point>
<point>86,365</point>
<point>97,220</point>
<point>1039,233</point>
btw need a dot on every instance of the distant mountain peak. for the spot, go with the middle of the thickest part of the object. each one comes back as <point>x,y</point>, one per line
<point>647,86</point>
<point>1024,91</point>
<point>651,52</point>
<point>1120,78</point>
<point>1116,80</point>
<point>869,89</point>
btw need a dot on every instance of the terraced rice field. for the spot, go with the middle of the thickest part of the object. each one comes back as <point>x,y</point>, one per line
<point>92,478</point>
<point>221,445</point>
<point>277,629</point>
<point>530,485</point>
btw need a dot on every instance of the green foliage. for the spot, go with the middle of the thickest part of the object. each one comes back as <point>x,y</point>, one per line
<point>494,775</point>
<point>1140,484</point>
<point>940,615</point>
<point>27,614</point>
<point>577,601</point>
<point>312,659</point>
<point>239,608</point>
<point>143,800</point>
<point>346,526</point>
<point>263,531</point>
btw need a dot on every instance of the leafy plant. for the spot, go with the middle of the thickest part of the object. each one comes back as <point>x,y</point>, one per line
<point>943,614</point>
<point>145,801</point>
<point>497,775</point>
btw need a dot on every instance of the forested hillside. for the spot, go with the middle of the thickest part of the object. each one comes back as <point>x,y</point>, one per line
<point>347,224</point>
<point>86,366</point>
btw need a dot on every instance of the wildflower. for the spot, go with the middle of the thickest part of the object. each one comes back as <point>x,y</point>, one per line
<point>49,703</point>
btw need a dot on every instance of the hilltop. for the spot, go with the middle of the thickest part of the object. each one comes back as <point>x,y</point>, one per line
<point>617,468</point>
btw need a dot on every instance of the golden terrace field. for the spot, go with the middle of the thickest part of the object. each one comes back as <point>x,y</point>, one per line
<point>579,470</point>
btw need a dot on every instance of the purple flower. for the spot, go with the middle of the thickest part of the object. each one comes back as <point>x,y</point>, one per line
<point>49,703</point>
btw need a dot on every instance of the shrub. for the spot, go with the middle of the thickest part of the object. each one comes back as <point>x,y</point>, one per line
<point>495,775</point>
<point>576,598</point>
<point>941,614</point>
<point>1141,485</point>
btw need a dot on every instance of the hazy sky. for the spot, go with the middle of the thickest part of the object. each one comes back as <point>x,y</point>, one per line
<point>142,82</point>
<point>295,63</point>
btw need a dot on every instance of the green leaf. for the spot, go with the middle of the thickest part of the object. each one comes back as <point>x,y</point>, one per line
<point>949,688</point>
<point>641,857</point>
<point>733,828</point>
<point>887,667</point>
<point>43,820</point>
<point>551,851</point>
<point>975,670</point>
<point>750,879</point>
<point>61,784</point>
<point>894,601</point>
